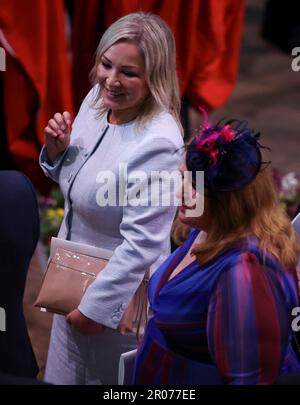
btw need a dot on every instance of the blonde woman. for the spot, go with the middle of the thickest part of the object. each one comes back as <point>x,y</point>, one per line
<point>129,119</point>
<point>222,302</point>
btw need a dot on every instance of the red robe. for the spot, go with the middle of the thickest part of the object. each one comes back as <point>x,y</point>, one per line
<point>37,80</point>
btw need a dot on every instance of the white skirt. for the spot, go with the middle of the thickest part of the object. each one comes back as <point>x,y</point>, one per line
<point>74,359</point>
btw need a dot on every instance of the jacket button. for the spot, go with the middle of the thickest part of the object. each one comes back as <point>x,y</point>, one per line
<point>115,319</point>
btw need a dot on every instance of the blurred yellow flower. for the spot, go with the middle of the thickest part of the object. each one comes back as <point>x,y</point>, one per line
<point>60,212</point>
<point>51,213</point>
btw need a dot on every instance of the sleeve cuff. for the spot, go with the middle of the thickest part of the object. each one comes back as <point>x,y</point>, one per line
<point>51,169</point>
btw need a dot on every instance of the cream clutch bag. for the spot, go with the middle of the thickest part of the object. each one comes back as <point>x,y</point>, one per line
<point>72,267</point>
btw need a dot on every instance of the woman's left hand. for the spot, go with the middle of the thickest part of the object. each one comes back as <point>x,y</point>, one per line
<point>84,325</point>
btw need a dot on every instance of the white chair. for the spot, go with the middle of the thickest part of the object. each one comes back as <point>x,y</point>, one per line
<point>126,367</point>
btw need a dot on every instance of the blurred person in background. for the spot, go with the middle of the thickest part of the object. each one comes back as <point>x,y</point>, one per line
<point>19,219</point>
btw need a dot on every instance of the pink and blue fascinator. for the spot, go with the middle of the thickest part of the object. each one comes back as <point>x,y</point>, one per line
<point>229,155</point>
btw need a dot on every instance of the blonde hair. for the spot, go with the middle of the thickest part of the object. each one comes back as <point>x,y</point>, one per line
<point>252,210</point>
<point>156,42</point>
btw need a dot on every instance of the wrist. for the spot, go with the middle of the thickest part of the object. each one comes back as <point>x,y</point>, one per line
<point>52,155</point>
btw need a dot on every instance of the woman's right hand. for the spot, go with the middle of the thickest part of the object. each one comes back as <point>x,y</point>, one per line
<point>57,134</point>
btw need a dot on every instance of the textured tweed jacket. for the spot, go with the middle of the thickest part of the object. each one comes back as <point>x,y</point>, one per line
<point>95,164</point>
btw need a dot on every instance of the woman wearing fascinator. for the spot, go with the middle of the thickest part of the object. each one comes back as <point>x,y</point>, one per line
<point>222,302</point>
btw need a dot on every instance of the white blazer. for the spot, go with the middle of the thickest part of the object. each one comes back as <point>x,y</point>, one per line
<point>139,235</point>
